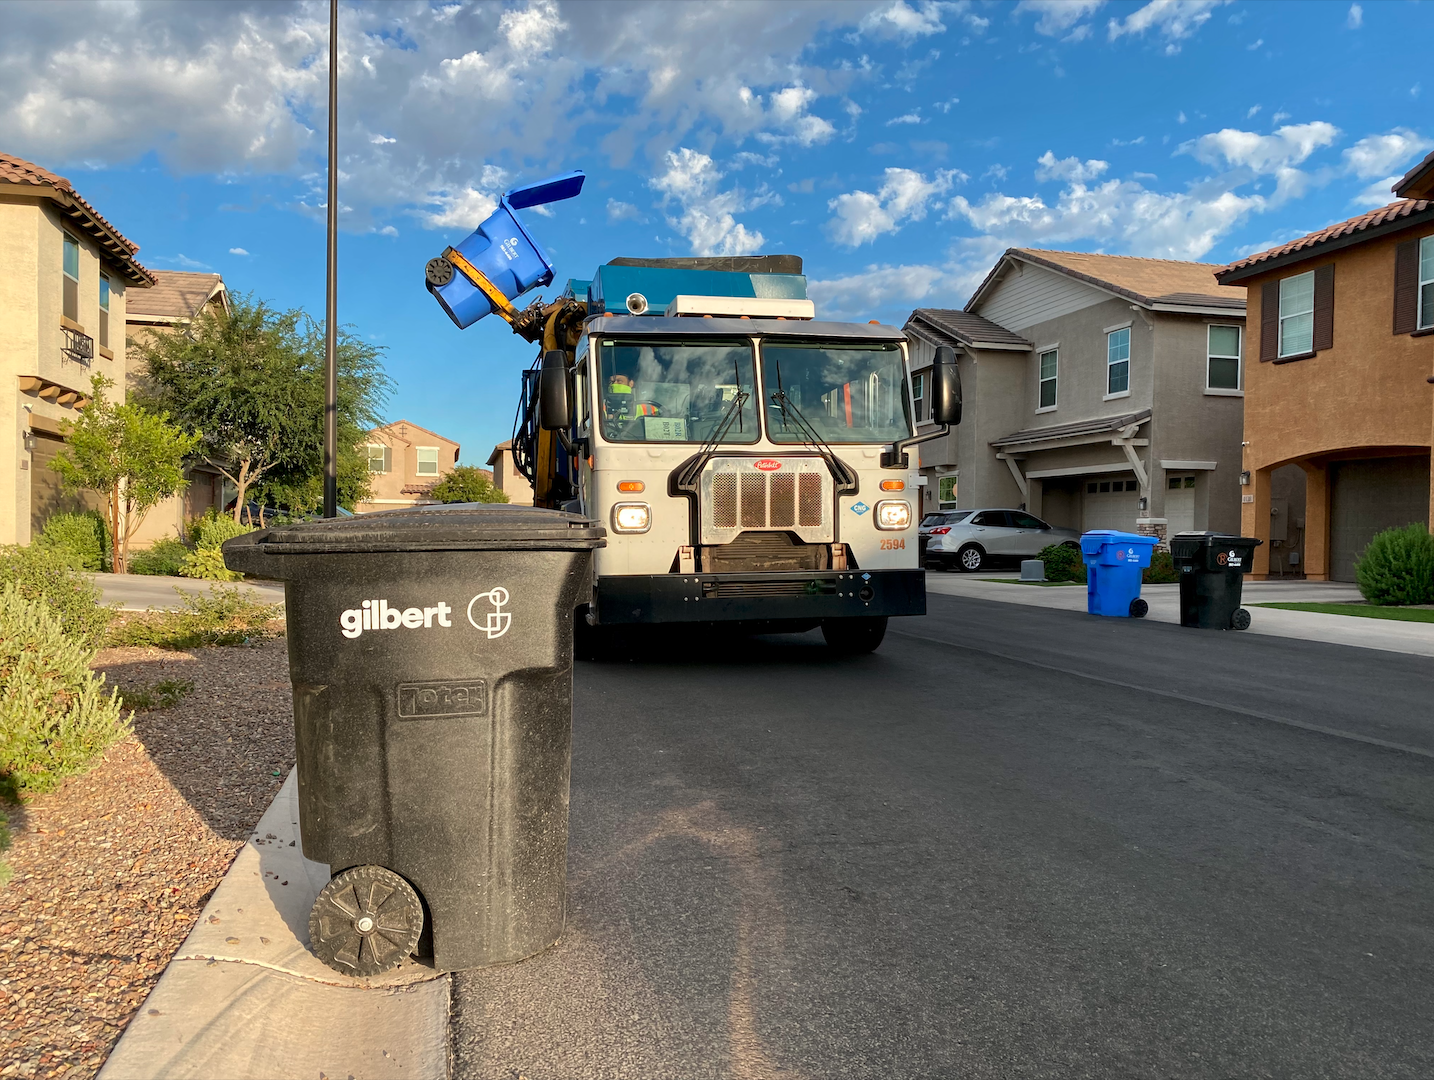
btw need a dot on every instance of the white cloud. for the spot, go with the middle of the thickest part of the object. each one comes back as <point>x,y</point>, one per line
<point>1379,193</point>
<point>1071,168</point>
<point>1181,118</point>
<point>902,21</point>
<point>1376,155</point>
<point>1174,20</point>
<point>388,230</point>
<point>1139,140</point>
<point>1254,44</point>
<point>945,106</point>
<point>1057,17</point>
<point>1355,19</point>
<point>786,111</point>
<point>237,251</point>
<point>860,295</point>
<point>707,215</point>
<point>1251,112</point>
<point>860,217</point>
<point>465,206</point>
<point>907,118</point>
<point>181,260</point>
<point>622,211</point>
<point>1263,154</point>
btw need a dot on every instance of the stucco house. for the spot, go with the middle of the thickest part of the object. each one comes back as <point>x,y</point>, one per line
<point>507,478</point>
<point>404,462</point>
<point>1101,392</point>
<point>67,278</point>
<point>1338,408</point>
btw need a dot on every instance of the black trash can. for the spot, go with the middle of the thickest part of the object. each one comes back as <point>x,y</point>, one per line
<point>431,656</point>
<point>1212,569</point>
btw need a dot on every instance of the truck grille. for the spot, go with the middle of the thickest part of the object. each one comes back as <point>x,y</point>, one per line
<point>795,497</point>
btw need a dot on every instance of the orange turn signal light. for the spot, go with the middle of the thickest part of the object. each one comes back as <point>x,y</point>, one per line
<point>630,485</point>
<point>893,485</point>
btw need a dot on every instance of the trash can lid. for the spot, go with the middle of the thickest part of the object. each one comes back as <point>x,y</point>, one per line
<point>1092,541</point>
<point>1215,539</point>
<point>452,527</point>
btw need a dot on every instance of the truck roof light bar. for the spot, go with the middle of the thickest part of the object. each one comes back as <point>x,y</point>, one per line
<point>738,306</point>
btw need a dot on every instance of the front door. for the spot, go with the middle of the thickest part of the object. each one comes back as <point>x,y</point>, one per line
<point>1179,504</point>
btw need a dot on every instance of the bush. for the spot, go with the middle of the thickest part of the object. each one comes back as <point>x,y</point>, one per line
<point>165,694</point>
<point>465,484</point>
<point>82,535</point>
<point>162,560</point>
<point>1398,567</point>
<point>213,528</point>
<point>1161,571</point>
<point>227,616</point>
<point>207,563</point>
<point>55,717</point>
<point>207,533</point>
<point>51,575</point>
<point>1063,563</point>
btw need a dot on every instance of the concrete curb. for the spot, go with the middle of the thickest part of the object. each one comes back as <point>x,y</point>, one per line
<point>244,998</point>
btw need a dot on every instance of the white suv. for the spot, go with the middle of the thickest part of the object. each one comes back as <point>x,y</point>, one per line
<point>981,538</point>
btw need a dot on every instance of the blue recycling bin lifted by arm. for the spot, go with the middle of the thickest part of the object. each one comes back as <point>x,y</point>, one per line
<point>1113,565</point>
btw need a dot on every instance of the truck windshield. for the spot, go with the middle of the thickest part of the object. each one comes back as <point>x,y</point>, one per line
<point>670,391</point>
<point>851,393</point>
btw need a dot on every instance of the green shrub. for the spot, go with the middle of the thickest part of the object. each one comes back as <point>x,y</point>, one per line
<point>84,535</point>
<point>55,717</point>
<point>51,575</point>
<point>207,533</point>
<point>1063,563</point>
<point>213,528</point>
<point>165,694</point>
<point>1161,571</point>
<point>207,563</point>
<point>163,559</point>
<point>227,616</point>
<point>1398,567</point>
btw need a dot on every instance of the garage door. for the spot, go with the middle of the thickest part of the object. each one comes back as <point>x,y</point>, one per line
<point>1110,503</point>
<point>1367,497</point>
<point>47,497</point>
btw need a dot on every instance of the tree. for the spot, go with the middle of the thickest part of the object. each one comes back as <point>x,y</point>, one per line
<point>467,484</point>
<point>130,455</point>
<point>252,380</point>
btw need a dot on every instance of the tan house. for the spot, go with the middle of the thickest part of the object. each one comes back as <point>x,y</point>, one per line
<point>1101,392</point>
<point>1338,408</point>
<point>507,478</point>
<point>67,277</point>
<point>404,462</point>
<point>176,300</point>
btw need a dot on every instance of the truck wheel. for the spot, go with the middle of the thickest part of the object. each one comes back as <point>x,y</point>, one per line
<point>366,921</point>
<point>1240,620</point>
<point>970,559</point>
<point>586,644</point>
<point>853,637</point>
<point>1138,608</point>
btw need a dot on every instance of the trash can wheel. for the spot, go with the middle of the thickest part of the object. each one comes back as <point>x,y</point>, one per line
<point>1138,608</point>
<point>1240,620</point>
<point>366,921</point>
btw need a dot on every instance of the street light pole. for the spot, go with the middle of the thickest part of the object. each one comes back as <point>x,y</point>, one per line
<point>331,309</point>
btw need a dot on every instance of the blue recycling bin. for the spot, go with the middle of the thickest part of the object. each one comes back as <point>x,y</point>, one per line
<point>503,251</point>
<point>1113,562</point>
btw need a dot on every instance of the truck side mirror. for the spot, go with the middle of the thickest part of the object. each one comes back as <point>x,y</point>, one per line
<point>554,410</point>
<point>945,387</point>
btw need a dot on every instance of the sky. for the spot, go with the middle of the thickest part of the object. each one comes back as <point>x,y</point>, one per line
<point>898,146</point>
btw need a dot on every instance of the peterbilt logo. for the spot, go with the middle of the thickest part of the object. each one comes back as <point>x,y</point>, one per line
<point>767,464</point>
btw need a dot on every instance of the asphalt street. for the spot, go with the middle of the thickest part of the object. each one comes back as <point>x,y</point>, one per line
<point>1014,842</point>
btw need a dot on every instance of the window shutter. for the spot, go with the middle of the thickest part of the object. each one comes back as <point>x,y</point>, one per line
<point>1269,320</point>
<point>1406,287</point>
<point>1323,308</point>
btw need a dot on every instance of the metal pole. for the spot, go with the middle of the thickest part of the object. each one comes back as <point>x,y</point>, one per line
<point>331,310</point>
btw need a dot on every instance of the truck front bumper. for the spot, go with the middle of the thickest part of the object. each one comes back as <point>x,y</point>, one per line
<point>809,595</point>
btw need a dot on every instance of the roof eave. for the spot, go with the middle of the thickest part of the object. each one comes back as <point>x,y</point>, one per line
<point>1418,182</point>
<point>1325,247</point>
<point>115,246</point>
<point>1195,309</point>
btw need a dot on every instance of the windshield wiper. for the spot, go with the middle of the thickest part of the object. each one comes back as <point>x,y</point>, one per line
<point>685,478</point>
<point>842,474</point>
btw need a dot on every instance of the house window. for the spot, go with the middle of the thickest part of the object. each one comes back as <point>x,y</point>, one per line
<point>71,308</point>
<point>428,461</point>
<point>1050,362</point>
<point>946,492</point>
<point>379,458</point>
<point>1175,483</point>
<point>918,396</point>
<point>105,310</point>
<point>1222,366</point>
<point>1117,362</point>
<point>1426,283</point>
<point>1297,314</point>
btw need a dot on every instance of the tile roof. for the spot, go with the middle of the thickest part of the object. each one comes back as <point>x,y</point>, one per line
<point>950,327</point>
<point>1149,282</point>
<point>1418,182</point>
<point>177,294</point>
<point>1067,431</point>
<point>15,170</point>
<point>1386,217</point>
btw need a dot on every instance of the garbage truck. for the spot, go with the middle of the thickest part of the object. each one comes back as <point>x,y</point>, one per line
<point>752,463</point>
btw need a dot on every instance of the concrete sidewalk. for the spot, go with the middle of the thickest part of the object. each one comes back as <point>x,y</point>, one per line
<point>1164,601</point>
<point>244,998</point>
<point>140,592</point>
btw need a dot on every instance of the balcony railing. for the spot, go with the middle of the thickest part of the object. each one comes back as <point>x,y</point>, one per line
<point>77,347</point>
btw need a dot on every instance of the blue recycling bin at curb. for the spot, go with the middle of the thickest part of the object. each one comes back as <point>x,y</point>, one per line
<point>500,249</point>
<point>1113,562</point>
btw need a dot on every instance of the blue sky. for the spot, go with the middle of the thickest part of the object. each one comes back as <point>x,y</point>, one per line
<point>898,147</point>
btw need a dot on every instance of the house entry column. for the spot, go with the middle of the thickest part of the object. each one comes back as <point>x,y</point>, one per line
<point>1316,520</point>
<point>1255,519</point>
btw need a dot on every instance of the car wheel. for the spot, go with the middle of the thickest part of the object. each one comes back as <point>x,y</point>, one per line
<point>1071,544</point>
<point>970,558</point>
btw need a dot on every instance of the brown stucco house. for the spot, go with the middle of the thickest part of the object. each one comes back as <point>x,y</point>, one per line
<point>1338,408</point>
<point>67,277</point>
<point>404,462</point>
<point>507,478</point>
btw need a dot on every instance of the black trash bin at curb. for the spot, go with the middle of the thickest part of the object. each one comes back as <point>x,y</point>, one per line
<point>1212,567</point>
<point>431,656</point>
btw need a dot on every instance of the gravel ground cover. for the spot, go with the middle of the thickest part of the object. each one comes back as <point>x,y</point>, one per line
<point>112,869</point>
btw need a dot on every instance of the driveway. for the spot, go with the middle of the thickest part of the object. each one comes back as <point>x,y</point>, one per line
<point>140,592</point>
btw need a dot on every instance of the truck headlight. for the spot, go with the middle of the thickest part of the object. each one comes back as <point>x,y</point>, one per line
<point>893,514</point>
<point>633,517</point>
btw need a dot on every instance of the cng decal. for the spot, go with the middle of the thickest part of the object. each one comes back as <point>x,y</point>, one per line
<point>381,615</point>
